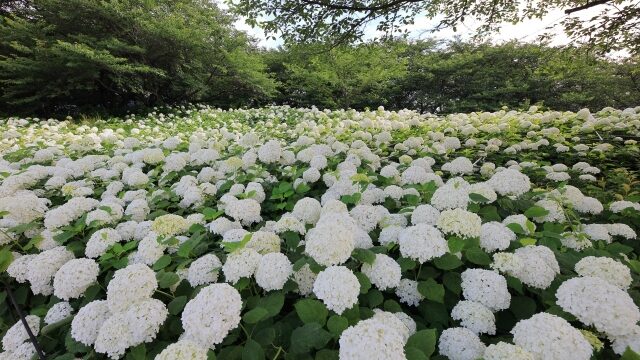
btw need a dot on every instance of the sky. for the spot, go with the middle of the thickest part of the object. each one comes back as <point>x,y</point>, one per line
<point>526,31</point>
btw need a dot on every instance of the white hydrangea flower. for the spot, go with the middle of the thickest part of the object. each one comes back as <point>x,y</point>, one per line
<point>495,236</point>
<point>17,334</point>
<point>548,336</point>
<point>74,277</point>
<point>241,263</point>
<point>130,285</point>
<point>204,270</point>
<point>183,350</point>
<point>43,267</point>
<point>384,273</point>
<point>487,288</point>
<point>504,351</point>
<point>337,287</point>
<point>144,320</point>
<point>210,315</point>
<point>100,241</point>
<point>454,194</point>
<point>332,240</point>
<point>170,225</point>
<point>114,336</point>
<point>273,271</point>
<point>597,303</point>
<point>87,322</point>
<point>475,317</point>
<point>460,222</point>
<point>307,210</point>
<point>425,214</point>
<point>408,292</point>
<point>422,242</point>
<point>631,340</point>
<point>371,339</point>
<point>458,343</point>
<point>305,278</point>
<point>607,269</point>
<point>510,182</point>
<point>57,312</point>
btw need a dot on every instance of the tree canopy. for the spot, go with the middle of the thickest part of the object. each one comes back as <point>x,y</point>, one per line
<point>617,25</point>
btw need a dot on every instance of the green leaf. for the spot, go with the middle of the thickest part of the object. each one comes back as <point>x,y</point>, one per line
<point>292,239</point>
<point>176,305</point>
<point>311,311</point>
<point>307,337</point>
<point>536,211</point>
<point>522,307</point>
<point>167,279</point>
<point>453,282</point>
<point>252,351</point>
<point>527,241</point>
<point>630,355</point>
<point>364,255</point>
<point>406,264</point>
<point>137,353</point>
<point>64,236</point>
<point>431,290</point>
<point>456,244</point>
<point>162,263</point>
<point>255,315</point>
<point>412,353</point>
<point>337,324</point>
<point>365,283</point>
<point>423,340</point>
<point>477,256</point>
<point>236,245</point>
<point>516,228</point>
<point>273,303</point>
<point>56,325</point>
<point>6,257</point>
<point>447,261</point>
<point>478,197</point>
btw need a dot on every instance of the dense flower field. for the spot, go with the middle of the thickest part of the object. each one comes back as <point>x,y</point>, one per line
<point>281,233</point>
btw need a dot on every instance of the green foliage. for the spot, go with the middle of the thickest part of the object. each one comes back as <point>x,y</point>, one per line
<point>80,53</point>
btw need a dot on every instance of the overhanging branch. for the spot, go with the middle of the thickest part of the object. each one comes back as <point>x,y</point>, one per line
<point>586,6</point>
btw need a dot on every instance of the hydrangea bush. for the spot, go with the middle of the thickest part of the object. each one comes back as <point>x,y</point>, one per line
<point>194,233</point>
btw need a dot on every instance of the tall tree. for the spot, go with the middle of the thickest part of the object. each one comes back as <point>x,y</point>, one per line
<point>616,26</point>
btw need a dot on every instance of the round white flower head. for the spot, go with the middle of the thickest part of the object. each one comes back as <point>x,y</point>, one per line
<point>305,278</point>
<point>521,220</point>
<point>19,268</point>
<point>454,194</point>
<point>130,285</point>
<point>100,241</point>
<point>389,235</point>
<point>510,182</point>
<point>264,242</point>
<point>221,225</point>
<point>289,223</point>
<point>539,266</point>
<point>475,317</point>
<point>597,232</point>
<point>597,303</point>
<point>631,340</point>
<point>144,320</point>
<point>458,166</point>
<point>422,242</point>
<point>337,287</point>
<point>460,344</point>
<point>114,336</point>
<point>623,230</point>
<point>371,339</point>
<point>384,273</point>
<point>408,292</point>
<point>425,214</point>
<point>240,263</point>
<point>307,210</point>
<point>273,271</point>
<point>495,236</point>
<point>332,240</point>
<point>460,222</point>
<point>247,211</point>
<point>43,268</point>
<point>87,322</point>
<point>506,351</point>
<point>618,206</point>
<point>183,350</point>
<point>74,277</point>
<point>270,152</point>
<point>548,336</point>
<point>556,212</point>
<point>607,269</point>
<point>487,288</point>
<point>402,322</point>
<point>204,270</point>
<point>57,312</point>
<point>17,334</point>
<point>210,315</point>
<point>170,225</point>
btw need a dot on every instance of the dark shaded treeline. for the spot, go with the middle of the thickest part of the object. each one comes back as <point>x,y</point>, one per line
<point>82,56</point>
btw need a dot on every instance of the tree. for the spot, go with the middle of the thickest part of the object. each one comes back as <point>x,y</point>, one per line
<point>117,53</point>
<point>341,21</point>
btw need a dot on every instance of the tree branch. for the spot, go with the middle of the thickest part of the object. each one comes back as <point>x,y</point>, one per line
<point>586,6</point>
<point>358,8</point>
